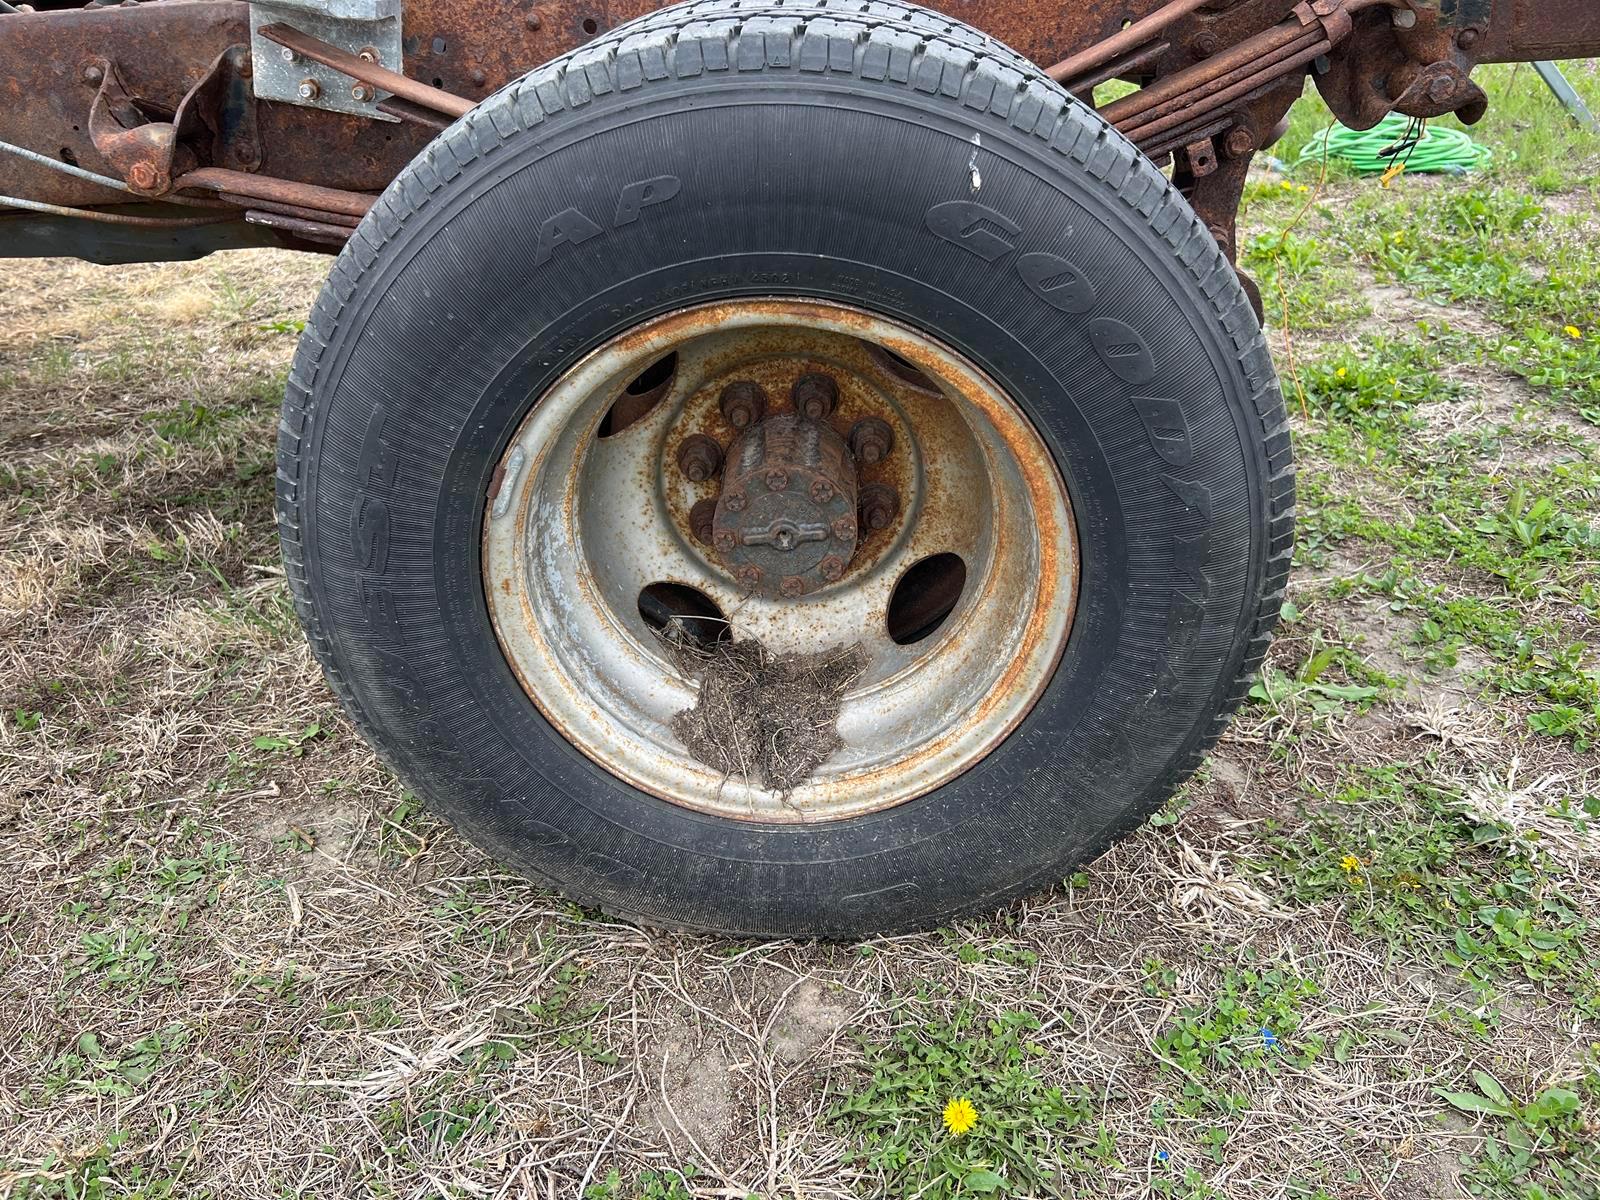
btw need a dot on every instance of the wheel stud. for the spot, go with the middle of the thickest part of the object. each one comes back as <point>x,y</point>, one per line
<point>815,396</point>
<point>699,457</point>
<point>743,403</point>
<point>777,481</point>
<point>792,586</point>
<point>879,505</point>
<point>832,568</point>
<point>871,439</point>
<point>701,517</point>
<point>844,529</point>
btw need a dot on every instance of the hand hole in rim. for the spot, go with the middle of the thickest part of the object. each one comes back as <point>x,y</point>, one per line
<point>900,368</point>
<point>925,596</point>
<point>676,609</point>
<point>647,390</point>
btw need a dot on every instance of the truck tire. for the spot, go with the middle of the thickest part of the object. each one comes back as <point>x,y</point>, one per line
<point>786,469</point>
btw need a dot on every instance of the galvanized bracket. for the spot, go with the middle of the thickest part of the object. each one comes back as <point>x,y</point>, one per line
<point>369,29</point>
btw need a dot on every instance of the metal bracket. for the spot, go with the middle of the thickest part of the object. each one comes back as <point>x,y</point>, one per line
<point>215,123</point>
<point>369,29</point>
<point>1566,93</point>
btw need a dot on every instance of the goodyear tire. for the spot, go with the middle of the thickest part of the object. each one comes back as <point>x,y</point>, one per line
<point>874,155</point>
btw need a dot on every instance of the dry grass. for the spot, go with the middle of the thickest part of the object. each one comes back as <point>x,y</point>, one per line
<point>237,960</point>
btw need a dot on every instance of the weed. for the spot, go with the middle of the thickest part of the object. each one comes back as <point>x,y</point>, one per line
<point>1024,1127</point>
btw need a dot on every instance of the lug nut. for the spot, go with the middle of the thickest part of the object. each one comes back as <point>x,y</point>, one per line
<point>792,585</point>
<point>750,575</point>
<point>871,439</point>
<point>1240,142</point>
<point>879,504</point>
<point>777,481</point>
<point>699,457</point>
<point>822,491</point>
<point>701,518</point>
<point>832,568</point>
<point>844,529</point>
<point>743,403</point>
<point>735,501</point>
<point>309,89</point>
<point>815,396</point>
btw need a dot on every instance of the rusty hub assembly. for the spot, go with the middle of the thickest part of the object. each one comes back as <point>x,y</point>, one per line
<point>786,520</point>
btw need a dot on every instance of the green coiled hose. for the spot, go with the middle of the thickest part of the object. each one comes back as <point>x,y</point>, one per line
<point>1394,140</point>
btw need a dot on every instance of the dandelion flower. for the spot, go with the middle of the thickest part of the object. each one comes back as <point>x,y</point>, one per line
<point>1350,863</point>
<point>1341,372</point>
<point>959,1115</point>
<point>1572,331</point>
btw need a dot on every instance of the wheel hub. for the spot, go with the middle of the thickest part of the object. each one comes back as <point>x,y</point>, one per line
<point>785,523</point>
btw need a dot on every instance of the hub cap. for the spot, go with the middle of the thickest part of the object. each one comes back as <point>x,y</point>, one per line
<point>805,474</point>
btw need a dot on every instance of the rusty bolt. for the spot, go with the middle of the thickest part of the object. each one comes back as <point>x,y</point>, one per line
<point>821,491</point>
<point>1467,38</point>
<point>880,504</point>
<point>143,176</point>
<point>362,93</point>
<point>871,439</point>
<point>701,517</point>
<point>844,529</point>
<point>532,20</point>
<point>368,54</point>
<point>777,481</point>
<point>1442,89</point>
<point>699,457</point>
<point>735,501</point>
<point>309,89</point>
<point>750,575</point>
<point>792,585</point>
<point>1240,142</point>
<point>93,75</point>
<point>743,403</point>
<point>832,568</point>
<point>815,396</point>
<point>478,76</point>
<point>1205,44</point>
<point>726,540</point>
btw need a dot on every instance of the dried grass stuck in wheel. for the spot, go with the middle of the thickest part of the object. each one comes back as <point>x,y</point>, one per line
<point>768,718</point>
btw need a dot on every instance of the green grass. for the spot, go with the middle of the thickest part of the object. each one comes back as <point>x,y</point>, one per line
<point>1544,1148</point>
<point>1411,864</point>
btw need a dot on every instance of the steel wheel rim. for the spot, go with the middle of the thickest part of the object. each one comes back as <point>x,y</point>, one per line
<point>577,524</point>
